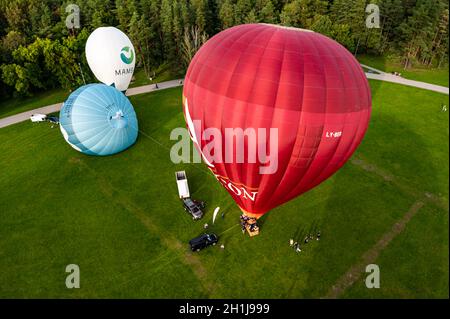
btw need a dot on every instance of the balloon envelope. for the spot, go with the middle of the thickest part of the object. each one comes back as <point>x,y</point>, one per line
<point>97,119</point>
<point>307,87</point>
<point>111,57</point>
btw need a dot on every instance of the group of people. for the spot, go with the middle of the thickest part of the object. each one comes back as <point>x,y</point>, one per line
<point>396,73</point>
<point>297,247</point>
<point>249,222</point>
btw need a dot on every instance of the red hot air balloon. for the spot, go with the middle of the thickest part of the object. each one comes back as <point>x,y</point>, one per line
<point>293,86</point>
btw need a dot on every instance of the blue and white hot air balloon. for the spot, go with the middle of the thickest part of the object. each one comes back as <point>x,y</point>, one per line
<point>97,119</point>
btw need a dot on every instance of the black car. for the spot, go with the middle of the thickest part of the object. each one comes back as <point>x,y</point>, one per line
<point>193,207</point>
<point>53,119</point>
<point>203,241</point>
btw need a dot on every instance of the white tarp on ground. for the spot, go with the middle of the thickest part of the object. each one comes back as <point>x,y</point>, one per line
<point>215,213</point>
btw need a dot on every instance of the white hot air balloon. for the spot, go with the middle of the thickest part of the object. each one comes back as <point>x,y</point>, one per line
<point>111,57</point>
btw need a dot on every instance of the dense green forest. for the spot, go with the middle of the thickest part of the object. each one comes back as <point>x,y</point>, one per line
<point>38,51</point>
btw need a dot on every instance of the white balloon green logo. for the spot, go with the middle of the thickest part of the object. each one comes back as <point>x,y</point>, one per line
<point>127,51</point>
<point>111,57</point>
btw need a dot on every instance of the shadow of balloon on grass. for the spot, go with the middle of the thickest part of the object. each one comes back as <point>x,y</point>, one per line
<point>366,201</point>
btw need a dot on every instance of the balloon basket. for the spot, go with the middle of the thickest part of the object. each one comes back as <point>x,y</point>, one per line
<point>250,225</point>
<point>253,232</point>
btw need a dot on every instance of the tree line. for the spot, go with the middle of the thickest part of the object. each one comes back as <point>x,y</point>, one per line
<point>39,52</point>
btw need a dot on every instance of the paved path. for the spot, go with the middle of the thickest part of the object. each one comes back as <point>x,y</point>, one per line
<point>398,79</point>
<point>6,121</point>
<point>371,68</point>
<point>378,75</point>
<point>383,76</point>
<point>56,107</point>
<point>151,87</point>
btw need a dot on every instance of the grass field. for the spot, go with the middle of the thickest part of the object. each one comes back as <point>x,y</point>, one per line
<point>120,220</point>
<point>417,73</point>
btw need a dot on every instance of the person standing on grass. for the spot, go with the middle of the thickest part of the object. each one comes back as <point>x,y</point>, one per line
<point>291,242</point>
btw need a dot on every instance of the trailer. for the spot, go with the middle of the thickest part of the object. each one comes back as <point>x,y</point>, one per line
<point>182,184</point>
<point>191,206</point>
<point>252,227</point>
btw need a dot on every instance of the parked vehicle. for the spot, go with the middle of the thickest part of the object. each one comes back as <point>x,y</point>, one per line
<point>38,118</point>
<point>193,207</point>
<point>203,241</point>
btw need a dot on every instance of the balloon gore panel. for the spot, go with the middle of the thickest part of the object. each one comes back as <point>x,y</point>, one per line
<point>97,119</point>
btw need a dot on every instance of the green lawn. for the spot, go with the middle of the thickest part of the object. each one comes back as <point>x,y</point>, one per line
<point>418,73</point>
<point>120,220</point>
